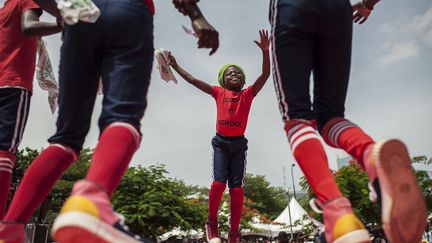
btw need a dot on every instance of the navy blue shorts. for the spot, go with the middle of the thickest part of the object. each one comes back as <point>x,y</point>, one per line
<point>117,48</point>
<point>311,37</point>
<point>14,108</point>
<point>229,159</point>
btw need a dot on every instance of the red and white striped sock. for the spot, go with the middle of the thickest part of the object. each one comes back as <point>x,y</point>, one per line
<point>310,155</point>
<point>38,181</point>
<point>7,163</point>
<point>342,133</point>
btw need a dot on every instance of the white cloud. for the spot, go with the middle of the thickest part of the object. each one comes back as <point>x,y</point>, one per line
<point>405,38</point>
<point>396,52</point>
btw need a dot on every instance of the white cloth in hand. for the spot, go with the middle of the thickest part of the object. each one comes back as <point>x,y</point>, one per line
<point>161,56</point>
<point>73,11</point>
<point>45,75</point>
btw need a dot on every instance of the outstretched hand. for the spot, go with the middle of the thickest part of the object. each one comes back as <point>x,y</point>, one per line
<point>264,42</point>
<point>360,13</point>
<point>208,37</point>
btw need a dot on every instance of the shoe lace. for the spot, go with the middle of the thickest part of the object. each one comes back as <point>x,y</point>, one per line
<point>212,229</point>
<point>316,205</point>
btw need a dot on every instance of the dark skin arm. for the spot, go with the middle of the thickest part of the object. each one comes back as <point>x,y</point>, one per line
<point>208,37</point>
<point>31,26</point>
<point>203,86</point>
<point>264,46</point>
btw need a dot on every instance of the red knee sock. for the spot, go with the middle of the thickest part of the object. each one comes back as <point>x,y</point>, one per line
<point>236,207</point>
<point>342,133</point>
<point>112,155</point>
<point>7,162</point>
<point>38,181</point>
<point>215,196</point>
<point>312,159</point>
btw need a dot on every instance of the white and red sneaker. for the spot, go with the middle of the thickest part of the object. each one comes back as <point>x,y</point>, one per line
<point>341,224</point>
<point>87,216</point>
<point>403,208</point>
<point>212,232</point>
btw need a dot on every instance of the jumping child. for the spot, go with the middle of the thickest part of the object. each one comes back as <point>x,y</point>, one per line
<point>229,145</point>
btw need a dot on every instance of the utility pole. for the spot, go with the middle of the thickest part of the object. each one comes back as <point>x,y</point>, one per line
<point>289,207</point>
<point>292,177</point>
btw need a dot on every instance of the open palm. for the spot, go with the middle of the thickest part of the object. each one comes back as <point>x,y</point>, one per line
<point>264,42</point>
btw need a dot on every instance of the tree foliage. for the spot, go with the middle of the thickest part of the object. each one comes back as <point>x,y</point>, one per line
<point>267,200</point>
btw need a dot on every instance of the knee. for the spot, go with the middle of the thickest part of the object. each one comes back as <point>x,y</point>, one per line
<point>218,185</point>
<point>134,131</point>
<point>74,153</point>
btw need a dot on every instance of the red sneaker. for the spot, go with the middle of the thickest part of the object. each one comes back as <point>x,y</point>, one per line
<point>12,232</point>
<point>403,208</point>
<point>234,237</point>
<point>341,224</point>
<point>87,216</point>
<point>212,232</point>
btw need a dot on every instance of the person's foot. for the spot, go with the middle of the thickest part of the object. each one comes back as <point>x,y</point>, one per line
<point>234,237</point>
<point>341,224</point>
<point>212,231</point>
<point>403,208</point>
<point>11,232</point>
<point>87,216</point>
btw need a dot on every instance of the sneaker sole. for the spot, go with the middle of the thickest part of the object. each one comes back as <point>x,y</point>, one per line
<point>214,240</point>
<point>79,227</point>
<point>403,207</point>
<point>357,236</point>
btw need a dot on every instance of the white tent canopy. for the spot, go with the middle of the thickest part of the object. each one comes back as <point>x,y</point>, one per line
<point>283,222</point>
<point>297,213</point>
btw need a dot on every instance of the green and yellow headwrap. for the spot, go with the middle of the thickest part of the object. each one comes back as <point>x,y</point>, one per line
<point>222,71</point>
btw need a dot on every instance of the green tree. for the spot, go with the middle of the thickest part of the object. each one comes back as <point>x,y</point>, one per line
<point>154,204</point>
<point>267,200</point>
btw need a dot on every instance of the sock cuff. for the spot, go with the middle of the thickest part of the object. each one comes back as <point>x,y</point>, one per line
<point>66,149</point>
<point>333,128</point>
<point>135,133</point>
<point>299,131</point>
<point>7,161</point>
<point>218,185</point>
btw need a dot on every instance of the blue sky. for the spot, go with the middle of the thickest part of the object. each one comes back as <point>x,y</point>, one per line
<point>389,94</point>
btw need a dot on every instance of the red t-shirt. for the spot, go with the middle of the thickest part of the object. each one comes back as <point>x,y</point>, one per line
<point>232,110</point>
<point>17,52</point>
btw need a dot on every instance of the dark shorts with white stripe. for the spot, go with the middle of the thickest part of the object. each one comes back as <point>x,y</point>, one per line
<point>14,108</point>
<point>311,37</point>
<point>229,159</point>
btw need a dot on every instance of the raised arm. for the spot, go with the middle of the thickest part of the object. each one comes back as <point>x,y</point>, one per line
<point>264,46</point>
<point>203,86</point>
<point>31,26</point>
<point>362,10</point>
<point>208,37</point>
